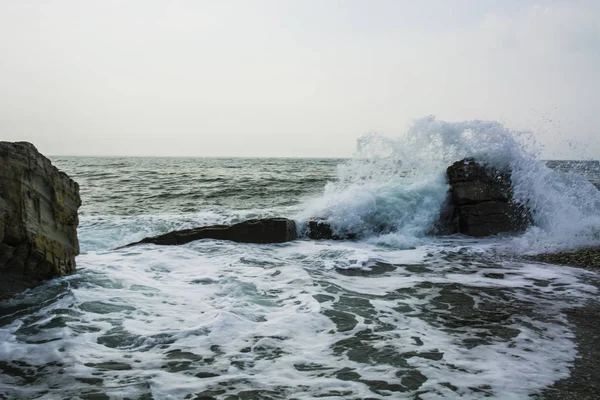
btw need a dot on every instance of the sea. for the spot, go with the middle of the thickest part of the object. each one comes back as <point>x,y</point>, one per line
<point>397,313</point>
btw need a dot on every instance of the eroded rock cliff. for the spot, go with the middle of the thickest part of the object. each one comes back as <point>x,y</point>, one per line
<point>38,218</point>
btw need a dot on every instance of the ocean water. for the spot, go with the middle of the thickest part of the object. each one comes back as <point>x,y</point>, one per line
<point>397,314</point>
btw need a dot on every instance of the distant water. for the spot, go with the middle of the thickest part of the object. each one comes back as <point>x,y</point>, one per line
<point>387,316</point>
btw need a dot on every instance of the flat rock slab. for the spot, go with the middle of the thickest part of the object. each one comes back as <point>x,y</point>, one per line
<point>270,230</point>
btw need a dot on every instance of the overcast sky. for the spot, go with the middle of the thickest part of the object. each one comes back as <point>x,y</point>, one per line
<point>292,78</point>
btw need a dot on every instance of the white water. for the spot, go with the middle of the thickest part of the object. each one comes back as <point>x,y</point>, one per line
<point>451,317</point>
<point>153,302</point>
<point>399,185</point>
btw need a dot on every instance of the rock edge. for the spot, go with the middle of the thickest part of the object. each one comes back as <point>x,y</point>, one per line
<point>38,218</point>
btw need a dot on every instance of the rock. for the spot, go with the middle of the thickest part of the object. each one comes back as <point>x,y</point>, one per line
<point>447,224</point>
<point>482,201</point>
<point>38,218</point>
<point>320,229</point>
<point>270,230</point>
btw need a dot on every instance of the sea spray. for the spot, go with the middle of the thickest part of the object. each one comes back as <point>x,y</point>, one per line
<point>393,189</point>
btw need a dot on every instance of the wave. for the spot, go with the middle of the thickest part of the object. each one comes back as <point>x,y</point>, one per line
<point>393,189</point>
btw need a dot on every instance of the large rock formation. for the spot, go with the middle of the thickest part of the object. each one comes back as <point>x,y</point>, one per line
<point>270,230</point>
<point>482,201</point>
<point>38,218</point>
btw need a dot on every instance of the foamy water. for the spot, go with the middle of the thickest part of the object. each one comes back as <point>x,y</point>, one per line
<point>387,316</point>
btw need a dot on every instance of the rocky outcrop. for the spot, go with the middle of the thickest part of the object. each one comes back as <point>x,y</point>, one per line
<point>320,229</point>
<point>270,230</point>
<point>38,218</point>
<point>482,202</point>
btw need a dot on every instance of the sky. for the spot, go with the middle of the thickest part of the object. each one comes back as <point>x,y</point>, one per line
<point>292,78</point>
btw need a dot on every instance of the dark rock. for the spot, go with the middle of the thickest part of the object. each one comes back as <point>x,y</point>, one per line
<point>38,218</point>
<point>270,230</point>
<point>447,224</point>
<point>320,229</point>
<point>481,202</point>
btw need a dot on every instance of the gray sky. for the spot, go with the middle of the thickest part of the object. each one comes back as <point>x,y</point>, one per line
<point>292,78</point>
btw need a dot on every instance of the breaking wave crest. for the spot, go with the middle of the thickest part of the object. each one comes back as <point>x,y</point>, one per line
<point>393,189</point>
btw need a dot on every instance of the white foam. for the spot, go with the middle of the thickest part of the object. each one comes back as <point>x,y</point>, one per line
<point>258,306</point>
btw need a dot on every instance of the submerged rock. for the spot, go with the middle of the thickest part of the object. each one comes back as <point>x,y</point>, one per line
<point>482,201</point>
<point>270,230</point>
<point>38,218</point>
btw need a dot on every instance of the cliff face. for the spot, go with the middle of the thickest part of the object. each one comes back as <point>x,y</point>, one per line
<point>38,218</point>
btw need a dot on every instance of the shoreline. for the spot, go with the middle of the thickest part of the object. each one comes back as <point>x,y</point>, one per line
<point>586,258</point>
<point>584,380</point>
